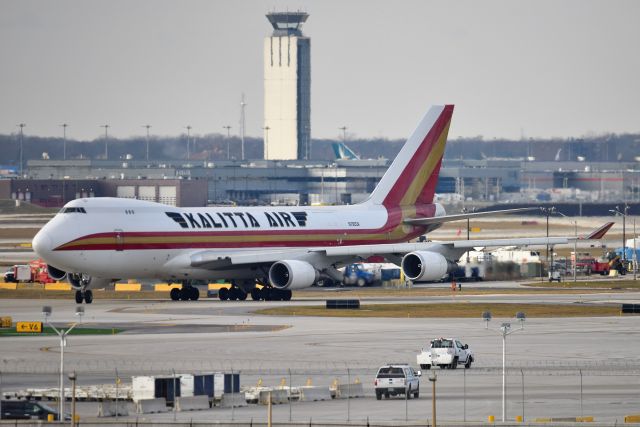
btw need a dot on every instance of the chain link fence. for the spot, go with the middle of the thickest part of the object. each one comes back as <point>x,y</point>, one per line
<point>605,390</point>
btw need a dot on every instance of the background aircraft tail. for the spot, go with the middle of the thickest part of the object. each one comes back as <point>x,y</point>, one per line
<point>343,152</point>
<point>412,177</point>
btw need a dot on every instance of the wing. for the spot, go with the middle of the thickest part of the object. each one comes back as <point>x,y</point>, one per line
<point>214,260</point>
<point>458,217</point>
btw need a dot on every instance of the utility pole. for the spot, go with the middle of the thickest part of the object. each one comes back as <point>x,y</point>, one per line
<point>228,128</point>
<point>148,127</point>
<point>242,126</point>
<point>21,126</point>
<point>64,141</point>
<point>106,141</point>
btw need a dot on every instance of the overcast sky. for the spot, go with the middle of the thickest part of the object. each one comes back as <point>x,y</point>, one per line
<point>535,68</point>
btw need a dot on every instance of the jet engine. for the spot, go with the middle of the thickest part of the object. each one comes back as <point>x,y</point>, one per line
<point>83,282</point>
<point>292,274</point>
<point>56,273</point>
<point>426,266</point>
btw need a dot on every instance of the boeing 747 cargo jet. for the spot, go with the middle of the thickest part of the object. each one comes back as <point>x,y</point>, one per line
<point>93,242</point>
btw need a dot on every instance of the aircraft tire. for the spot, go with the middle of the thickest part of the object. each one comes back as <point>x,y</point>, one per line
<point>266,294</point>
<point>175,294</point>
<point>184,294</point>
<point>223,294</point>
<point>256,294</point>
<point>242,295</point>
<point>79,297</point>
<point>194,294</point>
<point>88,296</point>
<point>287,295</point>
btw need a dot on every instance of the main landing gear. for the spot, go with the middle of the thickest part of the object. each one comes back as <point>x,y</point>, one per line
<point>233,293</point>
<point>85,295</point>
<point>185,293</point>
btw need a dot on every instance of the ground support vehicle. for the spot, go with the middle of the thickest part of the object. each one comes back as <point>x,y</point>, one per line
<point>397,379</point>
<point>358,274</point>
<point>34,272</point>
<point>445,353</point>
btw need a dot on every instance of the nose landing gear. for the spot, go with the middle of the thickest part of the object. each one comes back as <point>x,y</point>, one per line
<point>85,295</point>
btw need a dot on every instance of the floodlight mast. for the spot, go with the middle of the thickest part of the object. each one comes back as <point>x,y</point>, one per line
<point>46,312</point>
<point>504,330</point>
<point>575,245</point>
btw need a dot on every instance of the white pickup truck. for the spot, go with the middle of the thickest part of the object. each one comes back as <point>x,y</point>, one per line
<point>446,353</point>
<point>392,380</point>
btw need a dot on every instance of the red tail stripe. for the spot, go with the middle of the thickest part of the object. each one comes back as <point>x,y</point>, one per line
<point>416,163</point>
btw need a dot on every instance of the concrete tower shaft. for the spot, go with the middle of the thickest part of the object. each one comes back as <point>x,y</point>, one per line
<point>287,88</point>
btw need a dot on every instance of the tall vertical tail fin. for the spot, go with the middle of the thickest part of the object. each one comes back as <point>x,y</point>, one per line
<point>412,177</point>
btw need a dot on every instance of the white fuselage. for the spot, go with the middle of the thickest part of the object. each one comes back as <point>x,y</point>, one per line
<point>122,238</point>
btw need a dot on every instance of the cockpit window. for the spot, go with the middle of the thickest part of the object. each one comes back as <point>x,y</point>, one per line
<point>73,210</point>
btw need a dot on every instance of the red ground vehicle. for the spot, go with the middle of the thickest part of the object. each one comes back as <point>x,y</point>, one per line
<point>592,266</point>
<point>34,272</point>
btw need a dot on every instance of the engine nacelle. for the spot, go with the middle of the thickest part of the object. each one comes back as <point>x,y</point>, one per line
<point>56,273</point>
<point>426,266</point>
<point>83,282</point>
<point>292,274</point>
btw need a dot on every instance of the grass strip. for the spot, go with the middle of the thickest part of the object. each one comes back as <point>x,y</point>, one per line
<point>588,284</point>
<point>450,310</point>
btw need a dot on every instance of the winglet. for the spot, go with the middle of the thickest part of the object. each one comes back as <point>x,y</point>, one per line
<point>599,233</point>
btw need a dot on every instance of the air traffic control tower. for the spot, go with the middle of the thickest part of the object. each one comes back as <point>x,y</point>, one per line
<point>287,88</point>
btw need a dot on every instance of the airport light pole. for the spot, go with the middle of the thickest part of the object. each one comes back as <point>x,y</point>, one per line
<point>243,106</point>
<point>46,311</point>
<point>635,251</point>
<point>106,141</point>
<point>575,245</point>
<point>21,126</point>
<point>64,140</point>
<point>344,134</point>
<point>504,330</point>
<point>623,213</point>
<point>547,211</point>
<point>147,127</point>
<point>465,210</point>
<point>228,128</point>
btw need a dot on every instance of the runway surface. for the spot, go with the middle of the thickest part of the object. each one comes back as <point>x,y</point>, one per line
<point>550,355</point>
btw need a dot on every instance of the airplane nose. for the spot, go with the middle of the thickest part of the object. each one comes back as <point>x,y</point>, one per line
<point>42,244</point>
